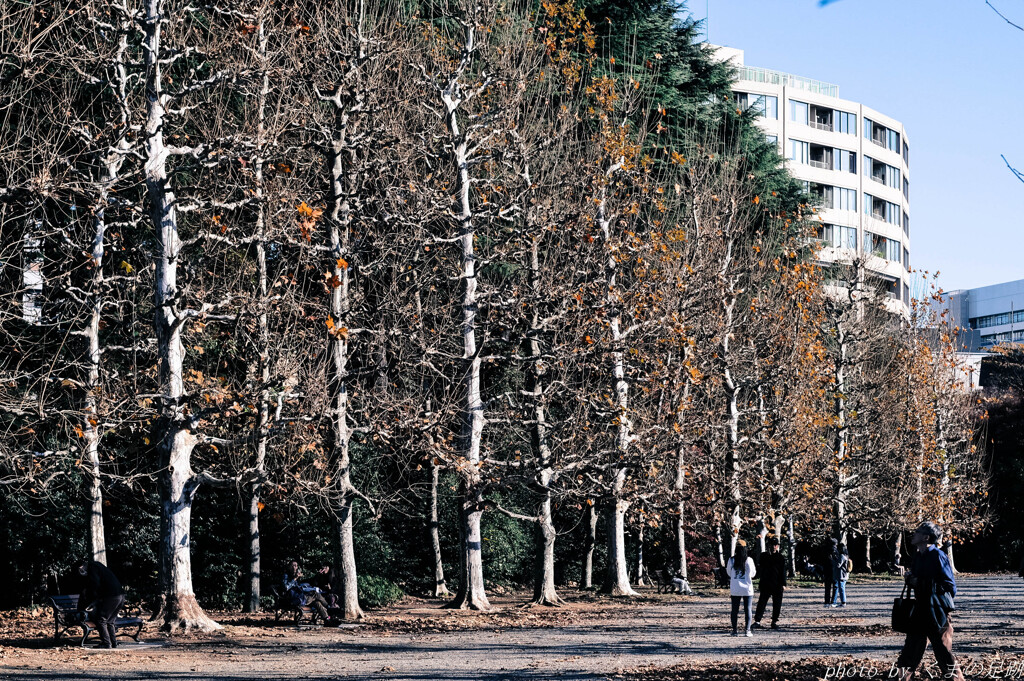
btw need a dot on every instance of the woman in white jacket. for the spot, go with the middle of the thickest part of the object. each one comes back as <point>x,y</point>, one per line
<point>741,584</point>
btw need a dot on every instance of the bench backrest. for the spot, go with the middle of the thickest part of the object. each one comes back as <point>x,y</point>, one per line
<point>68,602</point>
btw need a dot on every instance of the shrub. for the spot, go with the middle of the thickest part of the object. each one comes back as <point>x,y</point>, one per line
<point>378,592</point>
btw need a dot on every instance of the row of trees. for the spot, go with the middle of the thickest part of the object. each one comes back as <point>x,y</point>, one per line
<point>328,254</point>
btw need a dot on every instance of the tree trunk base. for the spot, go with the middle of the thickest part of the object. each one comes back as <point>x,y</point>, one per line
<point>183,615</point>
<point>466,603</point>
<point>619,591</point>
<point>552,600</point>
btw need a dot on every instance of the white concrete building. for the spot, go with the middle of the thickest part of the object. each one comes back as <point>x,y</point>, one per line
<point>853,157</point>
<point>989,315</point>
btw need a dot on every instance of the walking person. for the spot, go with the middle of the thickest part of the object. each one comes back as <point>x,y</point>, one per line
<point>841,568</point>
<point>772,583</point>
<point>930,574</point>
<point>741,573</point>
<point>830,549</point>
<point>101,593</point>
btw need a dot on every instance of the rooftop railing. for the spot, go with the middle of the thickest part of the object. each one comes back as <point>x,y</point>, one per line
<point>759,75</point>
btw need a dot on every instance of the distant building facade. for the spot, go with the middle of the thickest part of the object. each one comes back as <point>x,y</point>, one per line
<point>989,315</point>
<point>855,159</point>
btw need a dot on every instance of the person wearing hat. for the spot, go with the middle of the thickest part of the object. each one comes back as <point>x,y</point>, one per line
<point>772,583</point>
<point>741,585</point>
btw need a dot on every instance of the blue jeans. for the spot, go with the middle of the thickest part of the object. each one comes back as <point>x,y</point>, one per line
<point>736,602</point>
<point>840,592</point>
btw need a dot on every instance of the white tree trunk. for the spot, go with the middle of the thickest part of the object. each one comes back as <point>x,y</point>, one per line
<point>180,609</point>
<point>792,546</point>
<point>589,543</point>
<point>337,378</point>
<point>90,425</point>
<point>471,592</point>
<point>544,592</point>
<point>111,162</point>
<point>263,334</point>
<point>840,439</point>
<point>440,585</point>
<point>617,575</point>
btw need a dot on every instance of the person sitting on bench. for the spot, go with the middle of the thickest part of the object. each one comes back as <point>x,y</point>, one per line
<point>302,592</point>
<point>101,593</point>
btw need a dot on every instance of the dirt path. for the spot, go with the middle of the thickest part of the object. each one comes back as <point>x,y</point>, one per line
<point>590,640</point>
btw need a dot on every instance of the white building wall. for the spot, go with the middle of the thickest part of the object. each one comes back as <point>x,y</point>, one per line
<point>787,88</point>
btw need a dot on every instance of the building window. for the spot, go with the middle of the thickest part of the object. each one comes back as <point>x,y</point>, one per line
<point>892,177</point>
<point>880,246</point>
<point>906,224</point>
<point>883,210</point>
<point>990,320</point>
<point>799,151</point>
<point>821,156</point>
<point>767,106</point>
<point>846,122</point>
<point>906,153</point>
<point>821,118</point>
<point>798,111</point>
<point>772,139</point>
<point>846,199</point>
<point>882,136</point>
<point>845,161</point>
<point>825,194</point>
<point>838,236</point>
<point>892,250</point>
<point>906,259</point>
<point>893,139</point>
<point>906,189</point>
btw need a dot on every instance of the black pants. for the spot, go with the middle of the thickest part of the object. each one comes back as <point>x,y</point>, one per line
<point>830,591</point>
<point>762,601</point>
<point>104,614</point>
<point>942,646</point>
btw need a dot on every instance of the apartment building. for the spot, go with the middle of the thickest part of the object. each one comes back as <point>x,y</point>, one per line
<point>856,159</point>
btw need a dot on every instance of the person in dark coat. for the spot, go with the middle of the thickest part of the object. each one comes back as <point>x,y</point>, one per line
<point>103,595</point>
<point>930,572</point>
<point>831,550</point>
<point>772,584</point>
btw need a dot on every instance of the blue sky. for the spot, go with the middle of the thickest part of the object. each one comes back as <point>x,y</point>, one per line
<point>952,72</point>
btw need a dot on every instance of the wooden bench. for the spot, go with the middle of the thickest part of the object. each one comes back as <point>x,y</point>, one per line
<point>664,582</point>
<point>283,604</point>
<point>66,617</point>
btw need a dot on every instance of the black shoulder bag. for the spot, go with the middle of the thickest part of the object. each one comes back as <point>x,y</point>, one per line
<point>903,611</point>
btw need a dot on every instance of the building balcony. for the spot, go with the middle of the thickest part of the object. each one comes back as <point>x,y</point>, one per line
<point>821,126</point>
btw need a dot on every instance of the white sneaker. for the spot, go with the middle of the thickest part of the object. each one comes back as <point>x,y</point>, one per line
<point>749,634</point>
